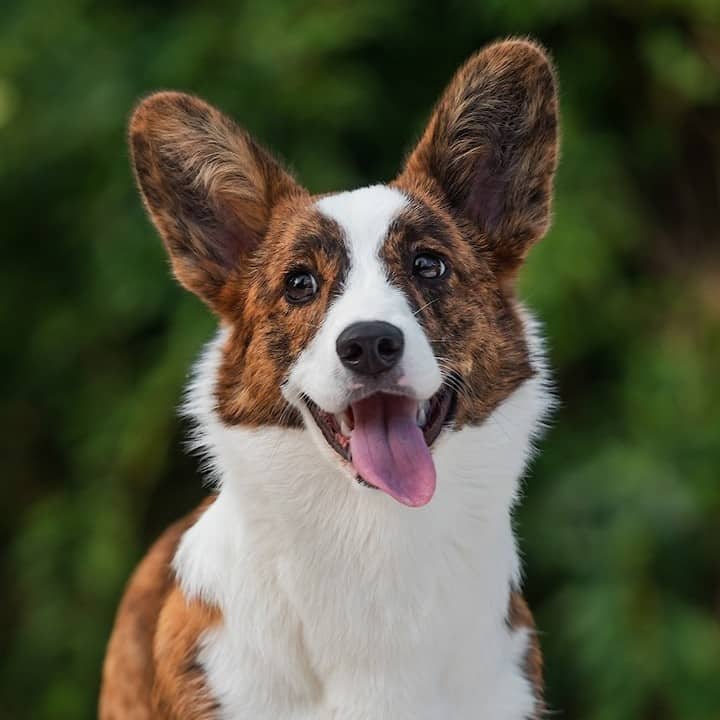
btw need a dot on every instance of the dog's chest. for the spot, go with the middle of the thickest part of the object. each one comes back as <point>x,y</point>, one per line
<point>291,677</point>
<point>417,636</point>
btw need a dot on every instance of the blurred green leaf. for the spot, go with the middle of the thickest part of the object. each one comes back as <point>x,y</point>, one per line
<point>620,520</point>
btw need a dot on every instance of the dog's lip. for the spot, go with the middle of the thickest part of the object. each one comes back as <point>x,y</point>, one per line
<point>439,411</point>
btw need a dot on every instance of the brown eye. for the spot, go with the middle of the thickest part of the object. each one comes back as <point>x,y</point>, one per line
<point>300,287</point>
<point>429,266</point>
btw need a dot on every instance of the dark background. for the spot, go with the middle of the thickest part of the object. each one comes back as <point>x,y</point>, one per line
<point>620,523</point>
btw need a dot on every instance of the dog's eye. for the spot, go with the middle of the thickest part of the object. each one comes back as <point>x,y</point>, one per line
<point>300,286</point>
<point>429,266</point>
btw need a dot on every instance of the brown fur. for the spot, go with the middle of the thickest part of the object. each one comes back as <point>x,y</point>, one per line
<point>235,223</point>
<point>267,333</point>
<point>470,320</point>
<point>149,669</point>
<point>179,689</point>
<point>490,149</point>
<point>519,616</point>
<point>481,177</point>
<point>207,185</point>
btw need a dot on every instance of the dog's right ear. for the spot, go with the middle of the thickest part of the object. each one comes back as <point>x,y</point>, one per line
<point>208,187</point>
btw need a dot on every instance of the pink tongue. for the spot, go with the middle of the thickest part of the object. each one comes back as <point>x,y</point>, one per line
<point>389,451</point>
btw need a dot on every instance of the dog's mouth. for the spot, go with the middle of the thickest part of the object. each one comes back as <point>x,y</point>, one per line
<point>387,437</point>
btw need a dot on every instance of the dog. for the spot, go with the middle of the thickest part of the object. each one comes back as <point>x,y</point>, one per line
<point>367,407</point>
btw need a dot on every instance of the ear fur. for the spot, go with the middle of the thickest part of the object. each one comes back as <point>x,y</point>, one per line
<point>491,147</point>
<point>207,186</point>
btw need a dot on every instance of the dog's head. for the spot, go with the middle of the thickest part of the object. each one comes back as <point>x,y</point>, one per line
<point>379,318</point>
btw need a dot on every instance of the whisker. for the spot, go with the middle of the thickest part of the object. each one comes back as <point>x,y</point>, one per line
<point>427,304</point>
<point>455,381</point>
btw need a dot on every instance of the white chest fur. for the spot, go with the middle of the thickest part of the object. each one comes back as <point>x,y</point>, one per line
<point>339,602</point>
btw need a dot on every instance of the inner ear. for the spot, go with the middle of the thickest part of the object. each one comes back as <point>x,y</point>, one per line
<point>490,147</point>
<point>209,188</point>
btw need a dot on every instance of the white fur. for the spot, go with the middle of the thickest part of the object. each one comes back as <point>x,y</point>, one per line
<point>364,216</point>
<point>339,602</point>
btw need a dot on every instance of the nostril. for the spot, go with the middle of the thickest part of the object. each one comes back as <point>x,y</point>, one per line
<point>388,347</point>
<point>351,352</point>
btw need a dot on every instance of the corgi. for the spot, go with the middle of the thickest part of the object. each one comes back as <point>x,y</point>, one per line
<point>367,408</point>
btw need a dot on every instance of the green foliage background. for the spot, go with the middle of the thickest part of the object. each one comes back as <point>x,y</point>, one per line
<point>620,524</point>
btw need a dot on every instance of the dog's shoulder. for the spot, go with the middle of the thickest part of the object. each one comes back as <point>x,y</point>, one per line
<point>520,617</point>
<point>152,647</point>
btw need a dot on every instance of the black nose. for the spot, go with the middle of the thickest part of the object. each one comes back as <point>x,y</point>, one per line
<point>370,348</point>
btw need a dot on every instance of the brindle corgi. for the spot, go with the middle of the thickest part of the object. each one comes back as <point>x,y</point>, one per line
<point>368,406</point>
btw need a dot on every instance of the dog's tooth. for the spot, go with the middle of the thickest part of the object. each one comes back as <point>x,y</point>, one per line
<point>345,429</point>
<point>421,416</point>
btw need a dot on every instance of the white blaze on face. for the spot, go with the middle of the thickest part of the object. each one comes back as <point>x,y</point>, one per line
<point>364,216</point>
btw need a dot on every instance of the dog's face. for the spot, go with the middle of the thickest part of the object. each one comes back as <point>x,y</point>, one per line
<point>380,318</point>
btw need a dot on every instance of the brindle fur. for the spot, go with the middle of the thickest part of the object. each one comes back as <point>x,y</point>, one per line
<point>150,672</point>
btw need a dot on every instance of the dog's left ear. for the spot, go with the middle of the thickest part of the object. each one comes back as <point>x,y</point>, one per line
<point>491,148</point>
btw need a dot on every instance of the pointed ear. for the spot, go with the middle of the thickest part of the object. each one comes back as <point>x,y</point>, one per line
<point>208,187</point>
<point>491,147</point>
